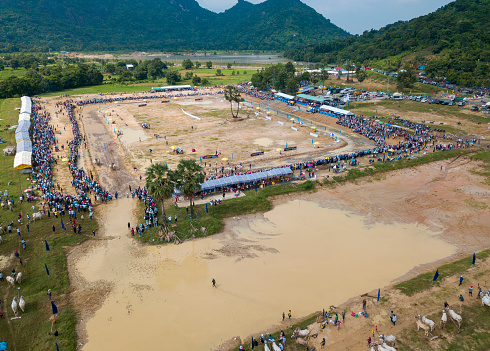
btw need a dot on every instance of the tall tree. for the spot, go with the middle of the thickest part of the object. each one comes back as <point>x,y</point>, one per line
<point>209,64</point>
<point>361,75</point>
<point>187,64</point>
<point>159,185</point>
<point>232,94</point>
<point>188,178</point>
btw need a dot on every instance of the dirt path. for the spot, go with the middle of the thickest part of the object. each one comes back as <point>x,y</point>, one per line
<point>108,151</point>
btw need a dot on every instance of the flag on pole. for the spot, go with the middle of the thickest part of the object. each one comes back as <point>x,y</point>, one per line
<point>54,308</point>
<point>436,276</point>
<point>47,270</point>
<point>47,245</point>
<point>57,347</point>
<point>379,293</point>
<point>474,258</point>
<point>62,224</point>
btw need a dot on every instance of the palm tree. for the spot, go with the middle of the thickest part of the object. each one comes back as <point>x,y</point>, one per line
<point>188,177</point>
<point>232,94</point>
<point>159,185</point>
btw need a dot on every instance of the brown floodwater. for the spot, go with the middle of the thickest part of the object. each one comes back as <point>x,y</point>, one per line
<point>299,256</point>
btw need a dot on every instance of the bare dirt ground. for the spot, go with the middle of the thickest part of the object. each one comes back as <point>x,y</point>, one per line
<point>217,132</point>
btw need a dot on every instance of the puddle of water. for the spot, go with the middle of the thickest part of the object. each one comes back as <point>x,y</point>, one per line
<point>133,135</point>
<point>300,257</point>
<point>263,141</point>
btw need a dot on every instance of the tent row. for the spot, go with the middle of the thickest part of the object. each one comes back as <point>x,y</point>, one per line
<point>245,178</point>
<point>23,157</point>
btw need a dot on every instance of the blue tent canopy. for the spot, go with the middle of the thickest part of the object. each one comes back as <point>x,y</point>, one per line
<point>24,145</point>
<point>22,136</point>
<point>23,126</point>
<point>245,178</point>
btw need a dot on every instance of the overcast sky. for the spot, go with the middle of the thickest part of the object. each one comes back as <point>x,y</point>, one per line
<point>355,16</point>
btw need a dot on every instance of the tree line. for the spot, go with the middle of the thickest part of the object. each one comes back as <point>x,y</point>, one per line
<point>453,42</point>
<point>50,79</point>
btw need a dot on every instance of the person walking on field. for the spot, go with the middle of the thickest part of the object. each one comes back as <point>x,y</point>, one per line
<point>214,283</point>
<point>283,316</point>
<point>289,314</point>
<point>461,280</point>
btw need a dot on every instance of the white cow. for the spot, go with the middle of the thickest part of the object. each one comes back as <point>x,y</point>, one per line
<point>14,305</point>
<point>455,317</point>
<point>22,303</point>
<point>430,323</point>
<point>10,280</point>
<point>18,279</point>
<point>485,300</point>
<point>443,319</point>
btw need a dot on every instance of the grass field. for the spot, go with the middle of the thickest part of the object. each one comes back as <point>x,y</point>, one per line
<point>8,72</point>
<point>424,281</point>
<point>31,332</point>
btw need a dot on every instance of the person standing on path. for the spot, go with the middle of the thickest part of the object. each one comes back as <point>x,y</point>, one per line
<point>364,304</point>
<point>461,280</point>
<point>289,314</point>
<point>470,290</point>
<point>343,316</point>
<point>283,316</point>
<point>394,319</point>
<point>391,316</point>
<point>214,283</point>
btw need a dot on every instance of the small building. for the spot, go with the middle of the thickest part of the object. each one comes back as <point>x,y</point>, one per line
<point>129,66</point>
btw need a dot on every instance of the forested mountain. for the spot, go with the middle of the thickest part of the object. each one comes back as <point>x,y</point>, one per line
<point>105,25</point>
<point>453,40</point>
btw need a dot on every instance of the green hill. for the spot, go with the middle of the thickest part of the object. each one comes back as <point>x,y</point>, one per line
<point>109,25</point>
<point>454,41</point>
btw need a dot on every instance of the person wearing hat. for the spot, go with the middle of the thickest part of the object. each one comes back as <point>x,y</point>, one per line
<point>470,290</point>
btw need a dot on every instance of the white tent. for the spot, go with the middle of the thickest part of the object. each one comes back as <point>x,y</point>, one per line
<point>24,117</point>
<point>23,160</point>
<point>26,105</point>
<point>336,110</point>
<point>285,96</point>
